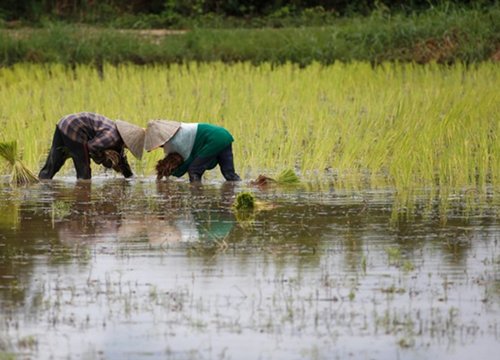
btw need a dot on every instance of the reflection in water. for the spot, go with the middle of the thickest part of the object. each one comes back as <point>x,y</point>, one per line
<point>117,211</point>
<point>316,274</point>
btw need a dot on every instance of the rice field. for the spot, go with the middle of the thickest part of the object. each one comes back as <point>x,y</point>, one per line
<point>135,269</point>
<point>398,125</point>
<point>387,246</point>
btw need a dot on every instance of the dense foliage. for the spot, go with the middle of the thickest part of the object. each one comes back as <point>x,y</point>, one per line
<point>416,126</point>
<point>171,12</point>
<point>434,35</point>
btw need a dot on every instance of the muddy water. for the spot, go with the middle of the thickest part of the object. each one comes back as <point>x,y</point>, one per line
<point>118,269</point>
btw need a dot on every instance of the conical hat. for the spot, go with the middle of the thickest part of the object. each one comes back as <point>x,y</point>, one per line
<point>133,137</point>
<point>159,132</point>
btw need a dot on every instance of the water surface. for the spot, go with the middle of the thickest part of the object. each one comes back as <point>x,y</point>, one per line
<point>117,269</point>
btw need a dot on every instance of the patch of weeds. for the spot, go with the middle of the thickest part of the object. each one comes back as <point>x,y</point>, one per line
<point>60,209</point>
<point>408,266</point>
<point>83,254</point>
<point>10,253</point>
<point>60,253</point>
<point>153,293</point>
<point>28,342</point>
<point>7,356</point>
<point>363,264</point>
<point>393,255</point>
<point>406,343</point>
<point>16,289</point>
<point>393,290</point>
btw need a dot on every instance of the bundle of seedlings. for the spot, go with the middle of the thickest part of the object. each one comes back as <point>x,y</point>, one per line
<point>286,177</point>
<point>246,207</point>
<point>244,201</point>
<point>167,165</point>
<point>20,175</point>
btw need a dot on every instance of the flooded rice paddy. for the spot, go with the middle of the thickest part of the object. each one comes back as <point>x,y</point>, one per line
<point>116,269</point>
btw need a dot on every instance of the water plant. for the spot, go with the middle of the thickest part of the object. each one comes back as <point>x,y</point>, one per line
<point>244,201</point>
<point>393,255</point>
<point>21,175</point>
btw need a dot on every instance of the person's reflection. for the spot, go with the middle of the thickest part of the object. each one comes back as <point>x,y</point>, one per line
<point>88,220</point>
<point>182,214</point>
<point>208,218</point>
<point>176,230</point>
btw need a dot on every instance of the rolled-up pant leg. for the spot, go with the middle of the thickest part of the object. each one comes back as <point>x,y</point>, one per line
<point>226,163</point>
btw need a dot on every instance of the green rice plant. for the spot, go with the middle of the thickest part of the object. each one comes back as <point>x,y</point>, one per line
<point>395,126</point>
<point>244,201</point>
<point>20,175</point>
<point>287,177</point>
<point>393,255</point>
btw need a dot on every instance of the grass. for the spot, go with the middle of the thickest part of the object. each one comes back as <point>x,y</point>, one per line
<point>396,125</point>
<point>441,34</point>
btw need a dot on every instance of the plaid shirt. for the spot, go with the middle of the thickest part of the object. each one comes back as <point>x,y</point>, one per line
<point>97,131</point>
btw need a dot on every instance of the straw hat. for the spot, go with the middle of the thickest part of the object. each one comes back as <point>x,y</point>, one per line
<point>133,137</point>
<point>159,132</point>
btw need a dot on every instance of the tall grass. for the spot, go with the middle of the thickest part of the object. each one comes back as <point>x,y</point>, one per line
<point>411,126</point>
<point>458,34</point>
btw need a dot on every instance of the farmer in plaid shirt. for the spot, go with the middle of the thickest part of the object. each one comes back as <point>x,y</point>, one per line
<point>84,136</point>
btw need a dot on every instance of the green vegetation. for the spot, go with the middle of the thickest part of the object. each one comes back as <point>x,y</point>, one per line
<point>403,126</point>
<point>441,34</point>
<point>244,201</point>
<point>7,356</point>
<point>393,255</point>
<point>287,176</point>
<point>178,13</point>
<point>21,175</point>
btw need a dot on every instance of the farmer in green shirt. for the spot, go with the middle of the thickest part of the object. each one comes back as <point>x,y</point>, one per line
<point>192,148</point>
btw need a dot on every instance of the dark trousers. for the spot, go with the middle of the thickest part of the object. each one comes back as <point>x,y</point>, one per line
<point>225,161</point>
<point>62,149</point>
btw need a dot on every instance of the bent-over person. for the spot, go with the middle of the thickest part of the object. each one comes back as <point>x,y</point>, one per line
<point>84,136</point>
<point>191,147</point>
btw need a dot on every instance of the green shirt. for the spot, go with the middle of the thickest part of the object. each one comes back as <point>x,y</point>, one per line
<point>210,140</point>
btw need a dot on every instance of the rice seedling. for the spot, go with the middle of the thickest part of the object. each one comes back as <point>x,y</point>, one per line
<point>395,125</point>
<point>244,201</point>
<point>287,177</point>
<point>20,175</point>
